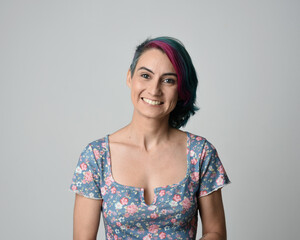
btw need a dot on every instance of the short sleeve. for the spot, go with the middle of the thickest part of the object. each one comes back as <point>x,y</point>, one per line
<point>212,173</point>
<point>86,179</point>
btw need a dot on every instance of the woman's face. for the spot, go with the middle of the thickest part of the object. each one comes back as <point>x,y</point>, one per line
<point>153,85</point>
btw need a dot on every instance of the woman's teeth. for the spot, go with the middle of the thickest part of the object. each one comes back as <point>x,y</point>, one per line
<point>151,101</point>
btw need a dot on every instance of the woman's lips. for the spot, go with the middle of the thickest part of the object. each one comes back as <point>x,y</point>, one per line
<point>151,102</point>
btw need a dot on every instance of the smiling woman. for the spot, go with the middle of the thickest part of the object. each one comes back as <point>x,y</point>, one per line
<point>183,70</point>
<point>149,179</point>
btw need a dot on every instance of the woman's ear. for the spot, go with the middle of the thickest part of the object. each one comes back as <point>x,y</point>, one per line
<point>128,79</point>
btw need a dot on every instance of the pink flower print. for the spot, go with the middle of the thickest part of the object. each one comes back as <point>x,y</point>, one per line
<point>153,215</point>
<point>108,236</point>
<point>195,176</point>
<point>221,169</point>
<point>108,180</point>
<point>153,228</point>
<point>220,180</point>
<point>186,203</point>
<point>115,237</point>
<point>203,193</point>
<point>147,237</point>
<point>118,224</point>
<point>173,220</point>
<point>109,229</point>
<point>103,190</point>
<point>162,192</point>
<point>162,235</point>
<point>176,198</point>
<point>113,190</point>
<point>194,161</point>
<point>83,166</point>
<point>131,209</point>
<point>74,188</point>
<point>96,153</point>
<point>88,177</point>
<point>199,138</point>
<point>103,145</point>
<point>124,200</point>
<point>164,211</point>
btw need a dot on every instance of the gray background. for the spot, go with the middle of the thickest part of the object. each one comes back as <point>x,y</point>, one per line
<point>63,68</point>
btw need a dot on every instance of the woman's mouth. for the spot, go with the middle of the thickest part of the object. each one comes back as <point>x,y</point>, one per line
<point>151,102</point>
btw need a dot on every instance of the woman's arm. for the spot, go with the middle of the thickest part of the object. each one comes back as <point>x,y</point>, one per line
<point>212,216</point>
<point>86,218</point>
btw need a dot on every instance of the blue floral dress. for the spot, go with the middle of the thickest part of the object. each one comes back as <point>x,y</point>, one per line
<point>173,214</point>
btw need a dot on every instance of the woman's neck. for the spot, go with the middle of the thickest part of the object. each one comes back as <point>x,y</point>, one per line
<point>147,133</point>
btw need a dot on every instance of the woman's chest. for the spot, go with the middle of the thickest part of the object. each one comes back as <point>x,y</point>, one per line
<point>132,168</point>
<point>174,206</point>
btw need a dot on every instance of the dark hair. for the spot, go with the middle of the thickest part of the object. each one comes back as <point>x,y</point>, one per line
<point>187,77</point>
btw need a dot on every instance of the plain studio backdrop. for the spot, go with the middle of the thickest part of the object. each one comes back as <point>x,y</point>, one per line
<point>63,68</point>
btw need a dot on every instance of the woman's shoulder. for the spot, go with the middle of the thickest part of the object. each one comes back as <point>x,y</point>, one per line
<point>200,140</point>
<point>99,144</point>
<point>195,137</point>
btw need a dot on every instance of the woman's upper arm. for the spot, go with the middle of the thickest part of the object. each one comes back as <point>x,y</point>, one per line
<point>86,218</point>
<point>212,214</point>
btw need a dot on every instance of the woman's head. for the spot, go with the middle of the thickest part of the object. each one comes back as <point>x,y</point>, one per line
<point>186,74</point>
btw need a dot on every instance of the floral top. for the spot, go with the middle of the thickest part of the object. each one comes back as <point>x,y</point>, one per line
<point>173,213</point>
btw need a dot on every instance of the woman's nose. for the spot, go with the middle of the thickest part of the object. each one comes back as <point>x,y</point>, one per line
<point>155,88</point>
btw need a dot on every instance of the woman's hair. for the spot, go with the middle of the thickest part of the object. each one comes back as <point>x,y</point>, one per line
<point>186,75</point>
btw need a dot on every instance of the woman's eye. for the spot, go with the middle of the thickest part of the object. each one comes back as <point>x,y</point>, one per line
<point>145,75</point>
<point>168,80</point>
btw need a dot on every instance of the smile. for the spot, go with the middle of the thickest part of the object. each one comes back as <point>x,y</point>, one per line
<point>152,102</point>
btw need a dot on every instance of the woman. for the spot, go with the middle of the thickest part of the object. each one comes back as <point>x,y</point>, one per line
<point>150,178</point>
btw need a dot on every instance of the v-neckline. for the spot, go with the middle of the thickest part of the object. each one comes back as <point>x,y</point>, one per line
<point>141,190</point>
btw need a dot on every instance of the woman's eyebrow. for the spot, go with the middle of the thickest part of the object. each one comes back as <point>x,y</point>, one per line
<point>147,69</point>
<point>170,73</point>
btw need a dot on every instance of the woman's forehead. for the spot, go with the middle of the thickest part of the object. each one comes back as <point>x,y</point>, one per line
<point>156,59</point>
